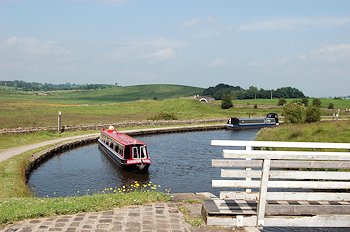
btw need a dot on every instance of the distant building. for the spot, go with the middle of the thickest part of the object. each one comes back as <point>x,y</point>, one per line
<point>204,99</point>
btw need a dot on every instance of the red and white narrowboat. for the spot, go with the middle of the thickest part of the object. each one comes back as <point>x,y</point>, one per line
<point>124,150</point>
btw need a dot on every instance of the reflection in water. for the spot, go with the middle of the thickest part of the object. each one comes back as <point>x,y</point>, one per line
<point>181,162</point>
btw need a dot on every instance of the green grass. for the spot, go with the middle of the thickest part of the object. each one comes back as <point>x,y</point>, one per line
<point>34,114</point>
<point>334,131</point>
<point>103,96</point>
<point>16,209</point>
<point>17,203</point>
<point>12,140</point>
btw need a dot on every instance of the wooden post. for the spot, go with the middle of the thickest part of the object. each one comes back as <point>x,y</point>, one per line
<point>263,192</point>
<point>248,148</point>
<point>59,121</point>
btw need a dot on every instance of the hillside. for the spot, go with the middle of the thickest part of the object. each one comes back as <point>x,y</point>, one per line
<point>106,95</point>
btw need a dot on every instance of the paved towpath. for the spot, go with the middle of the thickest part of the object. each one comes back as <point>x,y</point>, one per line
<point>157,217</point>
<point>8,153</point>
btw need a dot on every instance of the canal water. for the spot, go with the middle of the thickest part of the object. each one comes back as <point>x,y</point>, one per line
<point>181,162</point>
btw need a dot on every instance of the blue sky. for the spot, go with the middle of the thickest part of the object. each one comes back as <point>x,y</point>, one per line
<point>264,43</point>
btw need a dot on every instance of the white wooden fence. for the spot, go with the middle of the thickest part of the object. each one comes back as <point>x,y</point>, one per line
<point>282,184</point>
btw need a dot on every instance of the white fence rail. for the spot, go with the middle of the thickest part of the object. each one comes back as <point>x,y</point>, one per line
<point>316,176</point>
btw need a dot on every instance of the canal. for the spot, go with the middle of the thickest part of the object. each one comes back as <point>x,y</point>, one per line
<point>181,162</point>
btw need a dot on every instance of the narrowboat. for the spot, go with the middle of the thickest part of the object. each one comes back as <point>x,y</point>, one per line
<point>271,119</point>
<point>127,152</point>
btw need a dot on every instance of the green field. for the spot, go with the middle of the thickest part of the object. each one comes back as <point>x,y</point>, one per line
<point>115,104</point>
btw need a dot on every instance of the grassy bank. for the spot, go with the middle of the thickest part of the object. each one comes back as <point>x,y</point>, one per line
<point>16,209</point>
<point>17,202</point>
<point>333,131</point>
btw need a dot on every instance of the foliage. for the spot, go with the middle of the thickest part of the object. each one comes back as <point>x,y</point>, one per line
<point>281,102</point>
<point>163,116</point>
<point>330,106</point>
<point>226,102</point>
<point>294,112</point>
<point>251,93</point>
<point>305,101</point>
<point>35,86</point>
<point>220,90</point>
<point>312,114</point>
<point>317,102</point>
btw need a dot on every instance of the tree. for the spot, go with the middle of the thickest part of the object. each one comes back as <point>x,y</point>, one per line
<point>316,102</point>
<point>312,114</point>
<point>226,102</point>
<point>281,102</point>
<point>294,112</point>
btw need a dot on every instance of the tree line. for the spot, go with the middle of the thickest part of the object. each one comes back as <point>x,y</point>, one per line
<point>236,92</point>
<point>36,86</point>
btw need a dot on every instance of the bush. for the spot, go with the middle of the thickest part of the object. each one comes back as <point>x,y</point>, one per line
<point>163,116</point>
<point>281,102</point>
<point>305,101</point>
<point>226,102</point>
<point>294,112</point>
<point>330,106</point>
<point>316,102</point>
<point>312,114</point>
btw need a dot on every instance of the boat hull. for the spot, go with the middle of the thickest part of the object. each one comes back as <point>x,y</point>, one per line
<point>135,167</point>
<point>251,126</point>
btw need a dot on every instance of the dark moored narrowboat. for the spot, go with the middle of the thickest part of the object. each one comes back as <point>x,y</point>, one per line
<point>271,119</point>
<point>124,150</point>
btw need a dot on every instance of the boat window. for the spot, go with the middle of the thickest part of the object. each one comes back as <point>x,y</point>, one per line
<point>143,152</point>
<point>127,152</point>
<point>135,153</point>
<point>121,151</point>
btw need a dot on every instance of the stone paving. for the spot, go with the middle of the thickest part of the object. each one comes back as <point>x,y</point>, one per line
<point>160,217</point>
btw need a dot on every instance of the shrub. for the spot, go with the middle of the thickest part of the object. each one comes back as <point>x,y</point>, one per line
<point>330,106</point>
<point>305,101</point>
<point>312,114</point>
<point>316,102</point>
<point>226,102</point>
<point>281,102</point>
<point>294,112</point>
<point>163,116</point>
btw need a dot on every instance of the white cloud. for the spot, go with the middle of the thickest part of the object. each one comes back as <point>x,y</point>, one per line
<point>217,62</point>
<point>333,53</point>
<point>294,23</point>
<point>32,47</point>
<point>199,21</point>
<point>163,54</point>
<point>157,49</point>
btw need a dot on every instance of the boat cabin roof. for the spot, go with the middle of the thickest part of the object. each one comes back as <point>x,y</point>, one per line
<point>122,138</point>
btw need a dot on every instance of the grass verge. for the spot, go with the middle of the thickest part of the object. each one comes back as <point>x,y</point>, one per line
<point>16,209</point>
<point>12,140</point>
<point>17,203</point>
<point>333,132</point>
